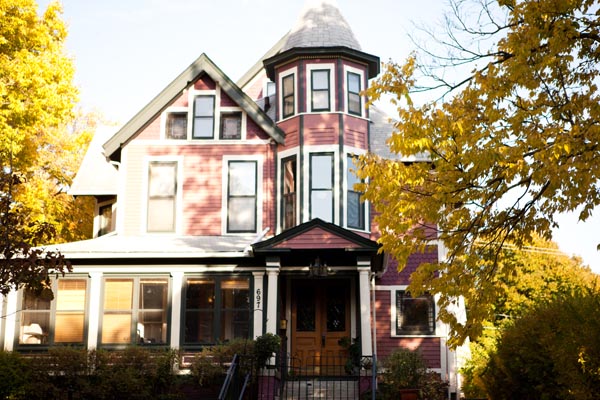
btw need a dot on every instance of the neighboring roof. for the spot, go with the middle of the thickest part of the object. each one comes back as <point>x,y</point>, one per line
<point>321,24</point>
<point>96,176</point>
<point>156,246</point>
<point>202,65</point>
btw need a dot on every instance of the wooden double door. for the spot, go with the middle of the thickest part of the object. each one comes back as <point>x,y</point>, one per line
<point>320,319</point>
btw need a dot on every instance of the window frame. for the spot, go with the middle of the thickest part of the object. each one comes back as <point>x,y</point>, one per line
<point>289,158</point>
<point>217,309</point>
<point>291,74</point>
<point>169,115</point>
<point>258,195</point>
<point>212,116</point>
<point>351,93</point>
<point>312,189</point>
<point>314,91</point>
<point>53,311</point>
<point>362,205</point>
<point>363,85</point>
<point>223,115</point>
<point>134,311</point>
<point>396,312</point>
<point>176,195</point>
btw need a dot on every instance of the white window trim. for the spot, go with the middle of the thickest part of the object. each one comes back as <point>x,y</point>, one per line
<point>279,92</point>
<point>178,196</point>
<point>332,86</point>
<point>393,313</point>
<point>280,157</point>
<point>355,152</point>
<point>308,150</point>
<point>259,191</point>
<point>363,86</point>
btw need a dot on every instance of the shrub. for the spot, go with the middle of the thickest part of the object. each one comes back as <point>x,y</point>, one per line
<point>14,375</point>
<point>551,353</point>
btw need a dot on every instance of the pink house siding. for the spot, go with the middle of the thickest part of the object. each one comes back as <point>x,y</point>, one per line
<point>386,344</point>
<point>316,239</point>
<point>391,276</point>
<point>205,83</point>
<point>355,132</point>
<point>321,129</point>
<point>151,132</point>
<point>292,133</point>
<point>226,101</point>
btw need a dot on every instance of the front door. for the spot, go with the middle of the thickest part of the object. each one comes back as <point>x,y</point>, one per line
<point>320,318</point>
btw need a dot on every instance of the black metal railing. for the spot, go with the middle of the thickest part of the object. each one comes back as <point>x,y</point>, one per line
<point>293,378</point>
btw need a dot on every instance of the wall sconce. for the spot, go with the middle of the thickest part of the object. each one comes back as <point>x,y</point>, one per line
<point>318,269</point>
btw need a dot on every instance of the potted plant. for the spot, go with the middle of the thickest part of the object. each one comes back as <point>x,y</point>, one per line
<point>403,374</point>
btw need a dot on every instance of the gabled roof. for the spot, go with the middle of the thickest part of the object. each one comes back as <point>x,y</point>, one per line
<point>329,236</point>
<point>202,65</point>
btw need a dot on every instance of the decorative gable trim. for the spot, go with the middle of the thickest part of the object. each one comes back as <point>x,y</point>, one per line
<point>316,234</point>
<point>153,109</point>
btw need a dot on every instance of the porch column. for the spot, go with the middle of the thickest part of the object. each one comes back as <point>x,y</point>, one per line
<point>364,268</point>
<point>94,309</point>
<point>273,267</point>
<point>177,285</point>
<point>11,320</point>
<point>259,297</point>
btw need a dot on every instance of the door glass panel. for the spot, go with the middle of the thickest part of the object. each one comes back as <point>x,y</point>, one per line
<point>306,311</point>
<point>336,311</point>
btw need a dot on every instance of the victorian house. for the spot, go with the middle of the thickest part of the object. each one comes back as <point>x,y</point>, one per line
<point>228,210</point>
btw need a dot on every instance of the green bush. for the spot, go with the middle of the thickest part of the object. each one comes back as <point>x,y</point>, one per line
<point>551,353</point>
<point>14,375</point>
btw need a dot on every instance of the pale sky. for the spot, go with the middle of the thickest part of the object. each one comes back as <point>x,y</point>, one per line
<point>127,51</point>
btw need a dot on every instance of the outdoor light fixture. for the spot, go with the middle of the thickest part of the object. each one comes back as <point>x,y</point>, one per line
<point>318,269</point>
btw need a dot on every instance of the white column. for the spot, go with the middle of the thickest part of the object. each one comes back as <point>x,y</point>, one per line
<point>259,299</point>
<point>177,284</point>
<point>94,309</point>
<point>273,267</point>
<point>11,320</point>
<point>365,309</point>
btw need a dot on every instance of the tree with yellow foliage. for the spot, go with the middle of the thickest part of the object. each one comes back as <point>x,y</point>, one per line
<point>38,154</point>
<point>508,145</point>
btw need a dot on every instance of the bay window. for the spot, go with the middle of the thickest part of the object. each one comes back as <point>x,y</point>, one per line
<point>320,87</point>
<point>355,209</point>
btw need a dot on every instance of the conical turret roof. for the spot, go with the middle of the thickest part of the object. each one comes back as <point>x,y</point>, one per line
<point>321,24</point>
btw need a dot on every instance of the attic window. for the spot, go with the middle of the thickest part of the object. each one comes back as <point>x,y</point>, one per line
<point>231,125</point>
<point>177,125</point>
<point>204,117</point>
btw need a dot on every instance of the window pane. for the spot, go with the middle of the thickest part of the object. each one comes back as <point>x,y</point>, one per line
<point>35,327</point>
<point>289,193</point>
<point>69,328</point>
<point>353,83</point>
<point>234,324</point>
<point>200,293</point>
<point>231,126</point>
<point>71,294</point>
<point>242,214</point>
<point>32,302</point>
<point>306,311</point>
<point>203,127</point>
<point>153,294</point>
<point>320,80</point>
<point>242,178</point>
<point>204,106</point>
<point>336,311</point>
<point>355,211</point>
<point>288,85</point>
<point>235,293</point>
<point>162,182</point>
<point>152,327</point>
<point>116,328</point>
<point>415,314</point>
<point>321,176</point>
<point>199,327</point>
<point>288,95</point>
<point>105,220</point>
<point>354,104</point>
<point>118,294</point>
<point>321,203</point>
<point>320,100</point>
<point>176,126</point>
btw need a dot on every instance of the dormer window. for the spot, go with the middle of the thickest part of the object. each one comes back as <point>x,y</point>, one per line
<point>320,87</point>
<point>204,117</point>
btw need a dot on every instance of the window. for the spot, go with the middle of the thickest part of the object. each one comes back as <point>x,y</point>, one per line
<point>321,186</point>
<point>320,90</point>
<point>162,191</point>
<point>216,309</point>
<point>105,219</point>
<point>354,100</point>
<point>135,311</point>
<point>354,207</point>
<point>241,196</point>
<point>288,172</point>
<point>176,126</point>
<point>288,96</point>
<point>58,321</point>
<point>204,117</point>
<point>414,316</point>
<point>231,125</point>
